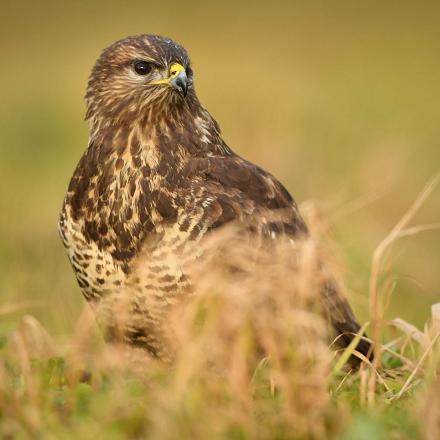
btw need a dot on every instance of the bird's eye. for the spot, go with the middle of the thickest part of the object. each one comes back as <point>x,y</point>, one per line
<point>189,71</point>
<point>143,67</point>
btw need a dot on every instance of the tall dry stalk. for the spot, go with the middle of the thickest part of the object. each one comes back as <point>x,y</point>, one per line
<point>400,230</point>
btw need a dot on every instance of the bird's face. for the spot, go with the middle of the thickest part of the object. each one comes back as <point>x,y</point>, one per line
<point>136,73</point>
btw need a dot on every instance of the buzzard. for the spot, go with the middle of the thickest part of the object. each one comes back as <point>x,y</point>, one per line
<point>155,180</point>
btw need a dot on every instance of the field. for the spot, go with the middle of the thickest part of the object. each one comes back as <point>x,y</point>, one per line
<point>340,102</point>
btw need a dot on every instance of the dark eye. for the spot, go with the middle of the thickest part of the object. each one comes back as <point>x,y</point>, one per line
<point>189,71</point>
<point>143,67</point>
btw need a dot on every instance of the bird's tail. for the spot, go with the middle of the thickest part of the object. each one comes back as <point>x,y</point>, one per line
<point>343,321</point>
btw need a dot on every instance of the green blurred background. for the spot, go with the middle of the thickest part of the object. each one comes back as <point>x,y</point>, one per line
<point>340,100</point>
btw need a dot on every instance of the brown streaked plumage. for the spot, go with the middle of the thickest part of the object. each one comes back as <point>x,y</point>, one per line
<point>156,178</point>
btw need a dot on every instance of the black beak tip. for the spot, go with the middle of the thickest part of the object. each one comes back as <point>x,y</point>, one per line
<point>182,86</point>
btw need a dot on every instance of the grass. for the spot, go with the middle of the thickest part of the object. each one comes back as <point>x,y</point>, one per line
<point>251,360</point>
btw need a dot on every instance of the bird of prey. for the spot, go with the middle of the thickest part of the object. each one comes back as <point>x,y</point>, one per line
<point>155,180</point>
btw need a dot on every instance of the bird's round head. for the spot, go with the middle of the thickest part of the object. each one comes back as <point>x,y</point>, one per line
<point>135,74</point>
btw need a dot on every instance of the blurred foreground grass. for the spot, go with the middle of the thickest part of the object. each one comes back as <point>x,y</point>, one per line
<point>251,360</point>
<point>340,100</point>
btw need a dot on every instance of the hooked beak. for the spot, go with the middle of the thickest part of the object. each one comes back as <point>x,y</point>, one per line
<point>180,83</point>
<point>177,79</point>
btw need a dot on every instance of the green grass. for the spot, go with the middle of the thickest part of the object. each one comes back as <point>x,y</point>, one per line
<point>47,396</point>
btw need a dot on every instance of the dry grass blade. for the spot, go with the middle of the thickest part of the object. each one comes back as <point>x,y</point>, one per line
<point>32,340</point>
<point>435,314</point>
<point>347,375</point>
<point>376,266</point>
<point>349,351</point>
<point>357,204</point>
<point>407,232</point>
<point>405,360</point>
<point>412,331</point>
<point>416,369</point>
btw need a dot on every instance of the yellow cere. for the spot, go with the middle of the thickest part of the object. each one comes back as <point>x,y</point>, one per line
<point>175,69</point>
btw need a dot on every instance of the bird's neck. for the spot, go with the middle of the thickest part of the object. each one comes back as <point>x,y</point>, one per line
<point>183,129</point>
